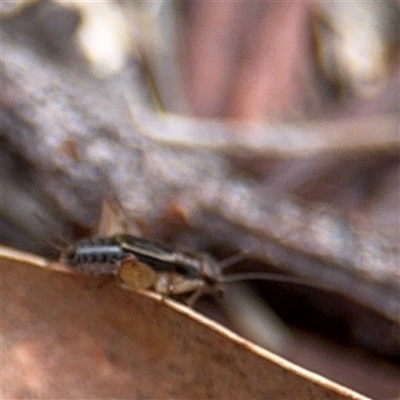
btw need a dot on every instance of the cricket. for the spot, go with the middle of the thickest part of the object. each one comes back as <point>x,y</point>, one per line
<point>144,264</point>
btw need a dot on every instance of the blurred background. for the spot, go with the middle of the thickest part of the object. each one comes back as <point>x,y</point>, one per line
<point>286,112</point>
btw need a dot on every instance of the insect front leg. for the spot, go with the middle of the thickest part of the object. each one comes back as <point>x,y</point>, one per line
<point>169,284</point>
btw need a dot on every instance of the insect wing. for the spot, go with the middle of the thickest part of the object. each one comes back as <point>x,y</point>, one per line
<point>160,257</point>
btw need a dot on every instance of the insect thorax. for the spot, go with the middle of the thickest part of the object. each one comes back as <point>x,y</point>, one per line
<point>199,265</point>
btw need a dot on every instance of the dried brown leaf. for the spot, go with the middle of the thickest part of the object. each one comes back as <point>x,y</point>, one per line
<point>64,338</point>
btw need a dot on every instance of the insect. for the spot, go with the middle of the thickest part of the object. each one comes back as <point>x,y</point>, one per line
<point>141,263</point>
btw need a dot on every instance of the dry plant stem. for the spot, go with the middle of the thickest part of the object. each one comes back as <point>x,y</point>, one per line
<point>77,134</point>
<point>274,139</point>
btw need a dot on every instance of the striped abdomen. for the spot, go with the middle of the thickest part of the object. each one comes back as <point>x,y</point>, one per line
<point>96,256</point>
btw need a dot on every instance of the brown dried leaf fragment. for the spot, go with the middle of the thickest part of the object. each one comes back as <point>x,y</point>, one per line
<point>61,339</point>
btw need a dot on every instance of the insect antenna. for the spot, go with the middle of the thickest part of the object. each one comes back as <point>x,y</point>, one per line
<point>233,259</point>
<point>272,277</point>
<point>263,276</point>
